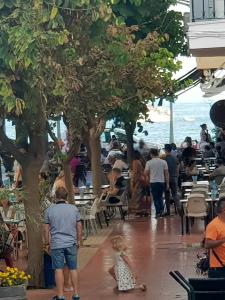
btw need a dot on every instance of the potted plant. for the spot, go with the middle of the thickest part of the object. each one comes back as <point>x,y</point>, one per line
<point>13,284</point>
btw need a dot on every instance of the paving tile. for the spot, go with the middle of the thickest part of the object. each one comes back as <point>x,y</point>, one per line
<point>156,247</point>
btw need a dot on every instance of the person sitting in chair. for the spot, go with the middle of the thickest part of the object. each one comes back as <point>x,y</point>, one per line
<point>117,188</point>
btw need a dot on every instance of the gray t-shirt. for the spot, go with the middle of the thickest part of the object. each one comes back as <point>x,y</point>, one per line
<point>156,168</point>
<point>62,219</point>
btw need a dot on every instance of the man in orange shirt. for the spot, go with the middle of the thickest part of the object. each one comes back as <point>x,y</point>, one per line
<point>215,241</point>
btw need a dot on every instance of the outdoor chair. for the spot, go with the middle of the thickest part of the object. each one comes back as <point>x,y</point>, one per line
<point>196,208</point>
<point>123,202</point>
<point>102,210</point>
<point>20,215</point>
<point>88,216</point>
<point>200,190</point>
<point>206,186</point>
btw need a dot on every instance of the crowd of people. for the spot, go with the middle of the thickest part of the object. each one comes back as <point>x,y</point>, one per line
<point>152,174</point>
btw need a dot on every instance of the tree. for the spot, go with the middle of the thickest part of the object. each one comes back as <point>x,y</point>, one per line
<point>109,70</point>
<point>169,26</point>
<point>151,17</point>
<point>30,35</point>
<point>149,75</point>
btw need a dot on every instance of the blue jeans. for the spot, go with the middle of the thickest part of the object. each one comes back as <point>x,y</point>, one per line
<point>157,189</point>
<point>68,255</point>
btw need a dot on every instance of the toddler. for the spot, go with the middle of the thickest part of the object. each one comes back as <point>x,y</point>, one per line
<point>122,271</point>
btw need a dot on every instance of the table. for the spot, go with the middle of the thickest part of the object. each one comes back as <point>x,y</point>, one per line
<point>81,203</point>
<point>104,186</point>
<point>204,168</point>
<point>88,191</point>
<point>184,201</point>
<point>190,183</point>
<point>12,221</point>
<point>189,193</point>
<point>89,197</point>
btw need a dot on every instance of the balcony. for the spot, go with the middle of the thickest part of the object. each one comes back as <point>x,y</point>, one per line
<point>207,10</point>
<point>206,33</point>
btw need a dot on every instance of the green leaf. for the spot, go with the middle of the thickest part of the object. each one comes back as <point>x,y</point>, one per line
<point>1,4</point>
<point>27,62</point>
<point>12,64</point>
<point>53,12</point>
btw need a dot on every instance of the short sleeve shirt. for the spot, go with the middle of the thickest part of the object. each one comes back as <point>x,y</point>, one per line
<point>172,163</point>
<point>216,231</point>
<point>62,219</point>
<point>119,164</point>
<point>156,168</point>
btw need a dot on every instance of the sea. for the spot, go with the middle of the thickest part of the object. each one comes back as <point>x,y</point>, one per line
<point>187,118</point>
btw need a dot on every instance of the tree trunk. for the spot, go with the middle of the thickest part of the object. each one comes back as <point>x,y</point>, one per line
<point>69,182</point>
<point>95,147</point>
<point>21,134</point>
<point>130,128</point>
<point>33,222</point>
<point>86,139</point>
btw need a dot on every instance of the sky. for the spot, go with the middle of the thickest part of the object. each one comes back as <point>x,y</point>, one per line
<point>195,94</point>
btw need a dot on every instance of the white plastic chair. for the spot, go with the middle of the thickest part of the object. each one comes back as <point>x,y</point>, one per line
<point>196,207</point>
<point>200,190</point>
<point>88,216</point>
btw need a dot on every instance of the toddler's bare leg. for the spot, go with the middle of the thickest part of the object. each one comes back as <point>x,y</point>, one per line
<point>112,273</point>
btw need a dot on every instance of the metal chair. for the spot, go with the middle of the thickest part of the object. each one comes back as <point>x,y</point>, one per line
<point>122,202</point>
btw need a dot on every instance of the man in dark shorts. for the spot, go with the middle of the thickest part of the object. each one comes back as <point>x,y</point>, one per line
<point>63,225</point>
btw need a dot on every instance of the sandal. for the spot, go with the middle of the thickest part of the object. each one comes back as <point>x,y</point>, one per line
<point>143,287</point>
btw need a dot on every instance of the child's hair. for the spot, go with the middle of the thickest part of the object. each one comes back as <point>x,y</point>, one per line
<point>118,243</point>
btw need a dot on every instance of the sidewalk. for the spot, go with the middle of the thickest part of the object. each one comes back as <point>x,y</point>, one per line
<point>156,247</point>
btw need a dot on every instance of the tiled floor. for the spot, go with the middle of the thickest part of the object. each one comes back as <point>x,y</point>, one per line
<point>155,246</point>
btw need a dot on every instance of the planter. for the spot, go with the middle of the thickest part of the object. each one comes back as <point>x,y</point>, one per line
<point>13,293</point>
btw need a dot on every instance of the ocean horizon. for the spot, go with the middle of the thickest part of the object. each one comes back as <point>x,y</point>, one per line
<point>188,116</point>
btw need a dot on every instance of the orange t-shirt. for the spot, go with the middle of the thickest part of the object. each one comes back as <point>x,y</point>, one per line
<point>216,231</point>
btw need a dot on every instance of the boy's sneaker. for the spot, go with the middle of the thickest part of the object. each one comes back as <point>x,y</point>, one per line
<point>57,298</point>
<point>76,297</point>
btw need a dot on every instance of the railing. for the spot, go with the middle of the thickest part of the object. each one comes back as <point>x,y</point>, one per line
<point>207,9</point>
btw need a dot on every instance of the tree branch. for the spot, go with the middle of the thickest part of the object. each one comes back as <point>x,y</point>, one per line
<point>11,147</point>
<point>51,133</point>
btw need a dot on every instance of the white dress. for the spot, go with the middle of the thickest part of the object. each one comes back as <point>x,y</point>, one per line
<point>124,276</point>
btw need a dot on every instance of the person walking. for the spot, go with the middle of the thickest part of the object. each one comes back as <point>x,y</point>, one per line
<point>156,170</point>
<point>63,229</point>
<point>173,169</point>
<point>215,242</point>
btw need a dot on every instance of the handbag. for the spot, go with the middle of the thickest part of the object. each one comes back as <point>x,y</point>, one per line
<point>203,265</point>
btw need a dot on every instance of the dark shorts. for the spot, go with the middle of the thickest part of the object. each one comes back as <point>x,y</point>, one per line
<point>68,255</point>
